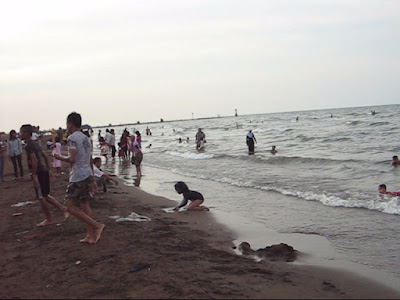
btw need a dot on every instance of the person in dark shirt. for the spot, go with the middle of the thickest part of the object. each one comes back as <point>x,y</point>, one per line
<point>250,139</point>
<point>41,175</point>
<point>200,138</point>
<point>196,198</point>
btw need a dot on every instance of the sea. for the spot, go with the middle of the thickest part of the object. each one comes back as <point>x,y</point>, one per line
<point>318,193</point>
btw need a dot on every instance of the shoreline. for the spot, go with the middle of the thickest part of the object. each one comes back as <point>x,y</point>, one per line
<point>190,254</point>
<point>316,251</point>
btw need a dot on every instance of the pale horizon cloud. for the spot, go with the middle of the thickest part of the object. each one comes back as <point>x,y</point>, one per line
<point>128,61</point>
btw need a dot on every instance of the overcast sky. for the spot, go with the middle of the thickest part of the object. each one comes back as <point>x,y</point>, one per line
<point>125,61</point>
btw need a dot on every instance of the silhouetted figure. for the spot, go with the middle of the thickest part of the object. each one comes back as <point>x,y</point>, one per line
<point>250,139</point>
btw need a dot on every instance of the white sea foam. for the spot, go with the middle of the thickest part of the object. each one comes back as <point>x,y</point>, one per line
<point>184,144</point>
<point>191,155</point>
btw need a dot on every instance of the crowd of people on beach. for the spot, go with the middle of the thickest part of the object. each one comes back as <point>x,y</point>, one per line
<point>86,176</point>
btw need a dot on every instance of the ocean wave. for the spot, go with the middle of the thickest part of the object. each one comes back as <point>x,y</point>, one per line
<point>333,140</point>
<point>353,123</point>
<point>379,123</point>
<point>282,160</point>
<point>304,138</point>
<point>389,205</point>
<point>268,158</point>
<point>183,144</point>
<point>386,204</point>
<point>191,155</point>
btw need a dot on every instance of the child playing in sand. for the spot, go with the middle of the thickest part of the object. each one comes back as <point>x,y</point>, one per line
<point>382,190</point>
<point>196,198</point>
<point>81,180</point>
<point>41,175</point>
<point>101,176</point>
<point>56,145</point>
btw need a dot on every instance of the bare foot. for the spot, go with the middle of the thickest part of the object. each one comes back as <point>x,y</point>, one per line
<point>66,215</point>
<point>98,232</point>
<point>87,240</point>
<point>44,223</point>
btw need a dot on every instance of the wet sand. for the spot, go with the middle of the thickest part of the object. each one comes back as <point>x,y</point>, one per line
<point>188,254</point>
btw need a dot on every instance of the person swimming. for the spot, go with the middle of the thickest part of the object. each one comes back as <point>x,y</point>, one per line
<point>395,161</point>
<point>382,190</point>
<point>273,150</point>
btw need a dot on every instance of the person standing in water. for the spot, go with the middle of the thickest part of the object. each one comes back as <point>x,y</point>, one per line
<point>273,150</point>
<point>250,139</point>
<point>200,138</point>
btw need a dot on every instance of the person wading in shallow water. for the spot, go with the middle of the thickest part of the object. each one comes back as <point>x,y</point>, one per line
<point>250,139</point>
<point>200,138</point>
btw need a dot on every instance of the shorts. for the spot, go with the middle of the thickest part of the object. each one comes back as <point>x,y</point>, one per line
<point>80,191</point>
<point>44,184</point>
<point>100,181</point>
<point>137,159</point>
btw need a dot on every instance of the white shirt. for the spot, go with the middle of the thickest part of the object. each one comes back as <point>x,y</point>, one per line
<point>81,169</point>
<point>35,136</point>
<point>110,139</point>
<point>14,147</point>
<point>97,172</point>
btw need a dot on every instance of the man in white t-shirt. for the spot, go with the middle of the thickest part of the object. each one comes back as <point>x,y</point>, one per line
<point>81,181</point>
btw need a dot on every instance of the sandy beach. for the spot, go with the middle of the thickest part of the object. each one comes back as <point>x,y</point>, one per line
<point>187,255</point>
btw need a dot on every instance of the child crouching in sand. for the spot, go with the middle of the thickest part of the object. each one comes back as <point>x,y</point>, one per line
<point>100,176</point>
<point>196,198</point>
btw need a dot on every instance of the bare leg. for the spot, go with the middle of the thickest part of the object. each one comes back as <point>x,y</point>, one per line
<point>195,205</point>
<point>89,236</point>
<point>98,227</point>
<point>46,209</point>
<point>53,201</point>
<point>138,171</point>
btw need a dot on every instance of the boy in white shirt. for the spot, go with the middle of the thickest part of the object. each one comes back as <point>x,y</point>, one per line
<point>100,176</point>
